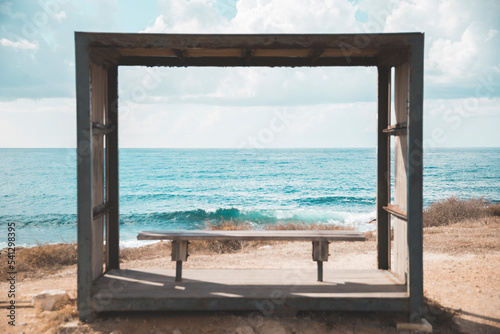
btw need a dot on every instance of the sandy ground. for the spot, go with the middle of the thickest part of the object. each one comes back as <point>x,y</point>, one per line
<point>461,273</point>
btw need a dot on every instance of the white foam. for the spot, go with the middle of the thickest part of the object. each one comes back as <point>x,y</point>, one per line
<point>134,243</point>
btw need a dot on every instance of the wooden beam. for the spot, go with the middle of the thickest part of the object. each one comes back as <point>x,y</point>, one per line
<point>383,169</point>
<point>392,57</point>
<point>84,176</point>
<point>396,129</point>
<point>395,211</point>
<point>100,210</point>
<point>245,41</point>
<point>244,62</point>
<point>112,177</point>
<point>415,176</point>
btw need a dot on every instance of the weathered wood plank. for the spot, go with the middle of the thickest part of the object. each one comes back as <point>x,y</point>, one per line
<point>84,180</point>
<point>254,41</point>
<point>383,169</point>
<point>401,82</point>
<point>395,211</point>
<point>98,105</point>
<point>415,178</point>
<point>112,185</point>
<point>246,62</point>
<point>101,210</point>
<point>396,129</point>
<point>253,235</point>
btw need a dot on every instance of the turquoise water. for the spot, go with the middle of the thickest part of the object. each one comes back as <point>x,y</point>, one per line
<point>185,188</point>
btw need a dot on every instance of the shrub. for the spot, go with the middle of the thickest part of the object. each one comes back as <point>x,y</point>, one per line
<point>222,246</point>
<point>453,210</point>
<point>35,260</point>
<point>494,209</point>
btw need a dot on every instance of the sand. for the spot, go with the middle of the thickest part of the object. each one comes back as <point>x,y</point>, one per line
<point>461,273</point>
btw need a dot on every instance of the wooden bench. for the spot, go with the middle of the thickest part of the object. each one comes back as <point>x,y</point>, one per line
<point>320,241</point>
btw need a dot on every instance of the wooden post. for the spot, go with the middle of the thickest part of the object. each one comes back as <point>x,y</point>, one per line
<point>84,177</point>
<point>401,110</point>
<point>415,175</point>
<point>383,169</point>
<point>320,254</point>
<point>112,183</point>
<point>98,97</point>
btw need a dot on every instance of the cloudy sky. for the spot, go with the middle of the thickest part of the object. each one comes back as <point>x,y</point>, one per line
<point>241,107</point>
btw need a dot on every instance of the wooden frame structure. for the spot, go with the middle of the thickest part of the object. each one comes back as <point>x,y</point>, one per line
<point>101,285</point>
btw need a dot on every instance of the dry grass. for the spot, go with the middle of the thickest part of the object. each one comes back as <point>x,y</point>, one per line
<point>232,246</point>
<point>218,246</point>
<point>454,210</point>
<point>494,210</point>
<point>145,252</point>
<point>35,261</point>
<point>54,319</point>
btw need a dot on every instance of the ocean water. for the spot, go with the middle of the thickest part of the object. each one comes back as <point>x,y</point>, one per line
<point>186,188</point>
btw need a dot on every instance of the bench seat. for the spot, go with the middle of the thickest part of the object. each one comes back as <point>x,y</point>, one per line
<point>252,235</point>
<point>320,240</point>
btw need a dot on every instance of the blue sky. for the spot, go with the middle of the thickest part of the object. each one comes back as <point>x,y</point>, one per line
<point>241,107</point>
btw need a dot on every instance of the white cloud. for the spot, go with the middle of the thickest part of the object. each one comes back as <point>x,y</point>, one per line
<point>22,44</point>
<point>461,38</point>
<point>66,105</point>
<point>60,16</point>
<point>191,125</point>
<point>452,60</point>
<point>38,123</point>
<point>491,33</point>
<point>294,16</point>
<point>179,16</point>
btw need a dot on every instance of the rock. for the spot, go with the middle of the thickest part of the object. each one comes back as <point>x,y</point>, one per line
<point>177,331</point>
<point>68,328</point>
<point>244,329</point>
<point>50,300</point>
<point>272,327</point>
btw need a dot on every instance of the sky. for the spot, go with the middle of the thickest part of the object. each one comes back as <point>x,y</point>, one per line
<point>249,107</point>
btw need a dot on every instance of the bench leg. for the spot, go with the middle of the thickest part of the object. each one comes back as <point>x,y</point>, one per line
<point>179,254</point>
<point>320,271</point>
<point>320,254</point>
<point>178,271</point>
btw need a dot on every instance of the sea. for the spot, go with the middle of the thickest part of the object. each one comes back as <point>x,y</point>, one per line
<point>189,188</point>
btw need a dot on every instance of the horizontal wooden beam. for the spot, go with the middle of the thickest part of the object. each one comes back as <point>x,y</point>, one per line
<point>246,61</point>
<point>395,129</point>
<point>101,210</point>
<point>251,41</point>
<point>395,211</point>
